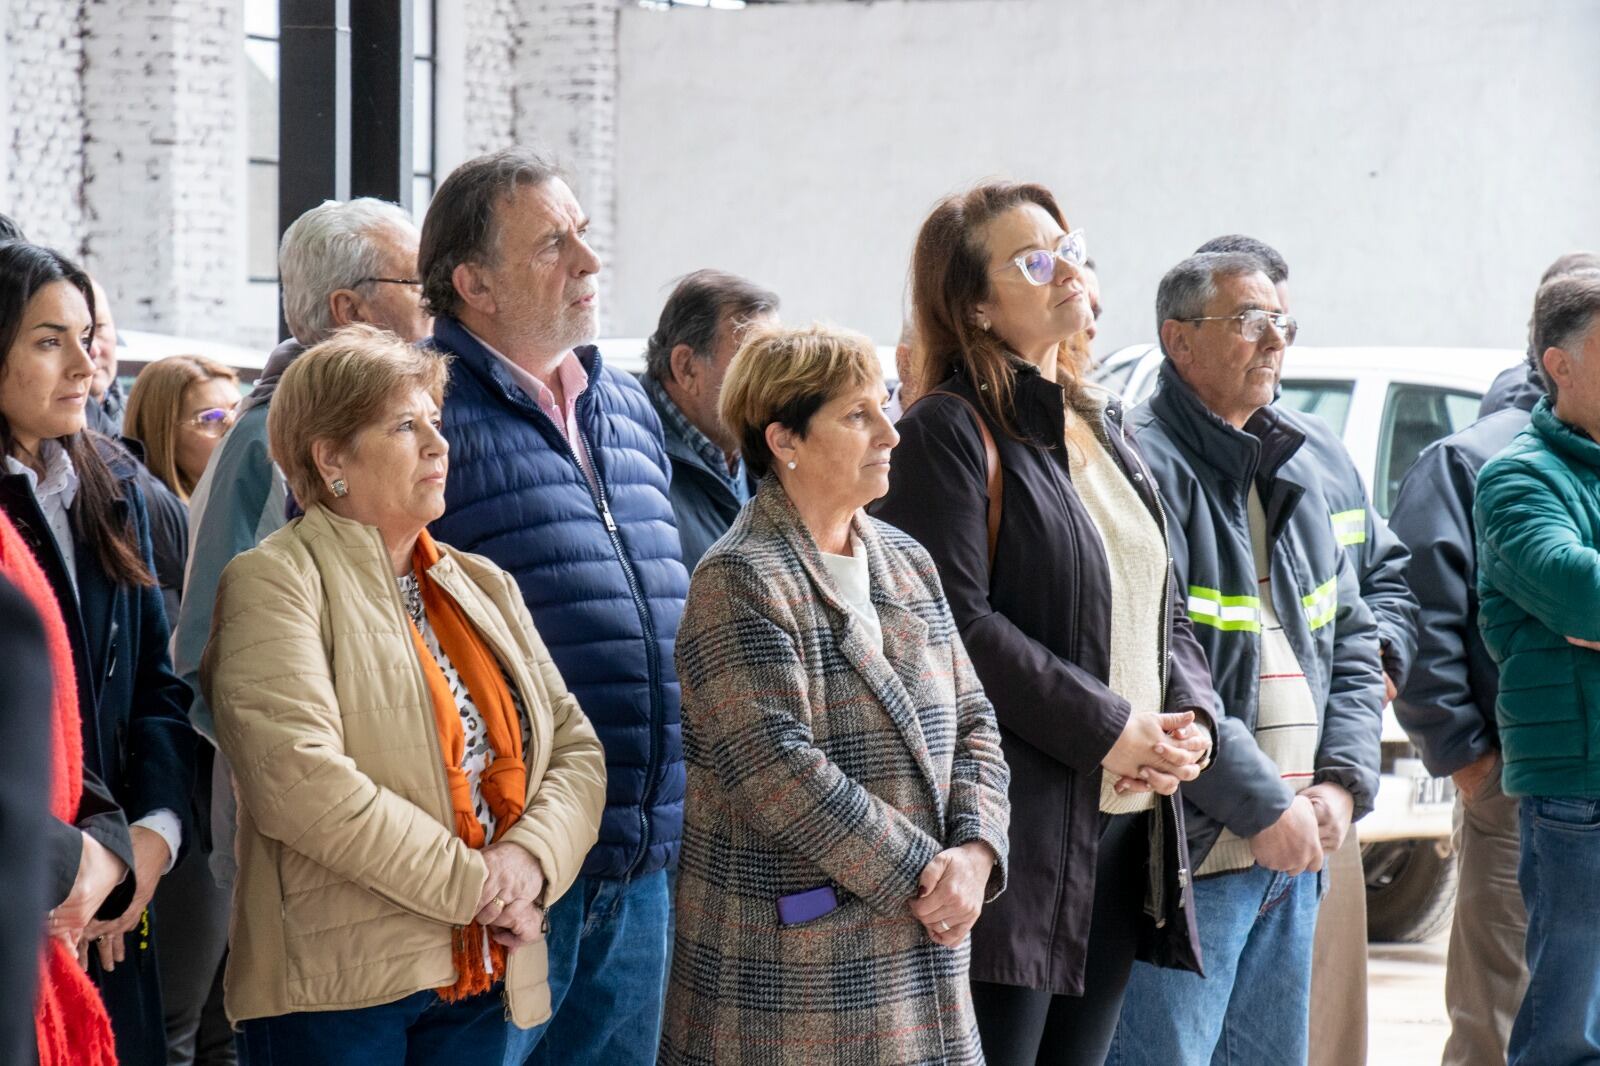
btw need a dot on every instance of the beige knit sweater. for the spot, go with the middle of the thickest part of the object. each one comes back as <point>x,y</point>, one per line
<point>1136,557</point>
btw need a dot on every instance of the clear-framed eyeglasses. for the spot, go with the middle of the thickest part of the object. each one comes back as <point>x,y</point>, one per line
<point>1038,265</point>
<point>213,421</point>
<point>1254,322</point>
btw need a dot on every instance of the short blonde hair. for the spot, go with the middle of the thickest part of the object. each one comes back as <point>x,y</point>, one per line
<point>338,388</point>
<point>156,404</point>
<point>783,375</point>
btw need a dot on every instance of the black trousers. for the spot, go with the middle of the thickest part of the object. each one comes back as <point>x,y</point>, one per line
<point>189,959</point>
<point>1032,1027</point>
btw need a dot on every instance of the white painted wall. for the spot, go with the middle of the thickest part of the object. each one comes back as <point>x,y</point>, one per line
<point>1417,162</point>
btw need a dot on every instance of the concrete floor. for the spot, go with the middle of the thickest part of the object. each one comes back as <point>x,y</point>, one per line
<point>1405,1002</point>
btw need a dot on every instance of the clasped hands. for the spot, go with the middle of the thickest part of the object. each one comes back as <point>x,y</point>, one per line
<point>1313,827</point>
<point>1157,752</point>
<point>100,871</point>
<point>950,891</point>
<point>508,905</point>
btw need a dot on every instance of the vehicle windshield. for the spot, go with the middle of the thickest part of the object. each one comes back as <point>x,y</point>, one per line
<point>1328,400</point>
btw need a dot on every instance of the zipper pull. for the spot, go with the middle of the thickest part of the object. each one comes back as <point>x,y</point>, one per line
<point>605,513</point>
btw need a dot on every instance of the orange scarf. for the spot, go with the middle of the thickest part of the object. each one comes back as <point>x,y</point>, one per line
<point>69,1019</point>
<point>505,779</point>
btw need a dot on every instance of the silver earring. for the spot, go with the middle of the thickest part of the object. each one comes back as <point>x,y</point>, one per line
<point>339,487</point>
<point>790,464</point>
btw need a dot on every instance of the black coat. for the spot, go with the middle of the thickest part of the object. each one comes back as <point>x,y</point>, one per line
<point>136,734</point>
<point>24,817</point>
<point>1038,632</point>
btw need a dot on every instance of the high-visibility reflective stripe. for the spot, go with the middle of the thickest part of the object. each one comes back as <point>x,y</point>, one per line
<point>1228,613</point>
<point>1349,527</point>
<point>1322,604</point>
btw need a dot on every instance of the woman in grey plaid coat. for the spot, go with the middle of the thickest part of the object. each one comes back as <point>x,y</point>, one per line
<point>846,812</point>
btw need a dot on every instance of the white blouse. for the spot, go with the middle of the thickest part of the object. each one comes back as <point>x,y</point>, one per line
<point>850,573</point>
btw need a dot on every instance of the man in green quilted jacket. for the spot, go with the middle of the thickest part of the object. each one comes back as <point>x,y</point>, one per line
<point>1538,522</point>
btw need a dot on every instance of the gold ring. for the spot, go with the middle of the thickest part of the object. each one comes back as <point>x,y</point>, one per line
<point>500,901</point>
<point>944,927</point>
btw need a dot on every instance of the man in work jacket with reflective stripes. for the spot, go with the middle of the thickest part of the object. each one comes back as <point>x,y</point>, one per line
<point>1339,973</point>
<point>1295,662</point>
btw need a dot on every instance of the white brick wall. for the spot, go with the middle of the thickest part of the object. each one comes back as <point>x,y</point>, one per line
<point>566,84</point>
<point>123,139</point>
<point>44,128</point>
<point>493,32</point>
<point>163,228</point>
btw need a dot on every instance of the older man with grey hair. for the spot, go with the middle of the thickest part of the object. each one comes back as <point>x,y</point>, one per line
<point>1275,602</point>
<point>339,263</point>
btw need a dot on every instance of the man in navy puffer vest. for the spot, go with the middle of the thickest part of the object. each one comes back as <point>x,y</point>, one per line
<point>558,474</point>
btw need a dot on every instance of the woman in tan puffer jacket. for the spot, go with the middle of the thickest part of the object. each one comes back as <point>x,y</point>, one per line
<point>416,785</point>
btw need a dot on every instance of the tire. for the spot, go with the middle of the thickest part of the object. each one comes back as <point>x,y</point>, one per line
<point>1411,890</point>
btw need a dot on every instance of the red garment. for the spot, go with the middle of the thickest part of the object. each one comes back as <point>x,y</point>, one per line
<point>71,1021</point>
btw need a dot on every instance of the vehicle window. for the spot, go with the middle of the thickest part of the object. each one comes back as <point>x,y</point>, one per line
<point>1414,416</point>
<point>1115,376</point>
<point>1328,400</point>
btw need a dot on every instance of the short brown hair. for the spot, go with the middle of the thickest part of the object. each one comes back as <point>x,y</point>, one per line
<point>783,375</point>
<point>950,277</point>
<point>338,388</point>
<point>156,404</point>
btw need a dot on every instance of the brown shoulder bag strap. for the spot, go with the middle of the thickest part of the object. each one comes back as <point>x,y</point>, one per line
<point>993,481</point>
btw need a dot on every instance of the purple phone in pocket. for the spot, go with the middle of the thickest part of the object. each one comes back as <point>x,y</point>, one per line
<point>807,906</point>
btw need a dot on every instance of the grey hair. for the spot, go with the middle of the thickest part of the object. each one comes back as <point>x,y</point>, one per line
<point>329,248</point>
<point>1563,313</point>
<point>1273,264</point>
<point>1188,287</point>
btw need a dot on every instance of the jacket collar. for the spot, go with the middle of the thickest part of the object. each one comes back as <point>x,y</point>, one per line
<point>451,336</point>
<point>683,439</point>
<point>1564,437</point>
<point>261,392</point>
<point>1259,450</point>
<point>891,672</point>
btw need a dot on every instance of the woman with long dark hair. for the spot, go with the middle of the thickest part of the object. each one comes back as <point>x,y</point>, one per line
<point>1051,545</point>
<point>73,496</point>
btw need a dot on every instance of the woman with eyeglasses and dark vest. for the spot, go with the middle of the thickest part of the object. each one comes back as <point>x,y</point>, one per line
<point>74,497</point>
<point>1049,538</point>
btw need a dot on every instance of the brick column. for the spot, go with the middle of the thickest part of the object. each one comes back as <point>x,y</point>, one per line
<point>566,101</point>
<point>44,120</point>
<point>164,176</point>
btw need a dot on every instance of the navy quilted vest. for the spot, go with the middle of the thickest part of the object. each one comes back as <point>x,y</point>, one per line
<point>601,575</point>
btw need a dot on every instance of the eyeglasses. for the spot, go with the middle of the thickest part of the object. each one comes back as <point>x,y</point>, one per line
<point>392,281</point>
<point>1254,322</point>
<point>1039,265</point>
<point>213,421</point>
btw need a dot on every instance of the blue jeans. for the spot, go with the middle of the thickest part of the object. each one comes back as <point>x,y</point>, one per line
<point>608,973</point>
<point>419,1030</point>
<point>1559,1021</point>
<point>1253,1006</point>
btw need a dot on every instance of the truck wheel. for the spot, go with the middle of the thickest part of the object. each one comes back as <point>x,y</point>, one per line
<point>1411,889</point>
